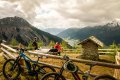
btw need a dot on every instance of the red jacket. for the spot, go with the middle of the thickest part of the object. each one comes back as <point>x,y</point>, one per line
<point>58,47</point>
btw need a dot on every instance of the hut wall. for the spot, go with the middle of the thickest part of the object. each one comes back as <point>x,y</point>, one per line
<point>90,51</point>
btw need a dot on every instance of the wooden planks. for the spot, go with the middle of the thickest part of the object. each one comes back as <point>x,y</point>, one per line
<point>8,53</point>
<point>7,47</point>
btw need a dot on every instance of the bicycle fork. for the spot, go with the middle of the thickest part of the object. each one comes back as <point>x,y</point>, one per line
<point>14,64</point>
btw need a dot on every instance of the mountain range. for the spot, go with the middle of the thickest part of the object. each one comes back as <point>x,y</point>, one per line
<point>21,30</point>
<point>107,33</point>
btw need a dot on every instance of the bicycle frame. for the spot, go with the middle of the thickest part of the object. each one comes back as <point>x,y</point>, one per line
<point>75,74</point>
<point>85,75</point>
<point>27,62</point>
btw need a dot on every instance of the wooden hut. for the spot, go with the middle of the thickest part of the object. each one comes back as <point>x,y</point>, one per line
<point>90,48</point>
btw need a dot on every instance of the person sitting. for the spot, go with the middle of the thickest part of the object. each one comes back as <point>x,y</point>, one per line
<point>58,47</point>
<point>53,50</point>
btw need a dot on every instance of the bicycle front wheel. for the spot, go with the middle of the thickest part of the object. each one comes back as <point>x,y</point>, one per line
<point>105,77</point>
<point>53,76</point>
<point>11,69</point>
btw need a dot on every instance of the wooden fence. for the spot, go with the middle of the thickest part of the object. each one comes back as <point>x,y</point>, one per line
<point>100,51</point>
<point>11,53</point>
<point>8,51</point>
<point>117,71</point>
<point>77,51</point>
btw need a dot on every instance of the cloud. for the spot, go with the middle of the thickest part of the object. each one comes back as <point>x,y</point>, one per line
<point>94,12</point>
<point>21,8</point>
<point>62,13</point>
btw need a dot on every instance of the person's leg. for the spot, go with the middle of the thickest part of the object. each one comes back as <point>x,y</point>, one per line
<point>59,53</point>
<point>36,48</point>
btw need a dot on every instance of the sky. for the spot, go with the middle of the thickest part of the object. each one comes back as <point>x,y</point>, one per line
<point>62,13</point>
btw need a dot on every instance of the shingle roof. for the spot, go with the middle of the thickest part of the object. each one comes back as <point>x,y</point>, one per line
<point>94,39</point>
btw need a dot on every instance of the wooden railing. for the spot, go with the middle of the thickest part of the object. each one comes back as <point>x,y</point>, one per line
<point>9,53</point>
<point>117,71</point>
<point>78,60</point>
<point>77,51</point>
<point>100,51</point>
<point>72,51</point>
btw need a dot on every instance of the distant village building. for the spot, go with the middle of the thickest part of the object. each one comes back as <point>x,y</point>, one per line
<point>90,48</point>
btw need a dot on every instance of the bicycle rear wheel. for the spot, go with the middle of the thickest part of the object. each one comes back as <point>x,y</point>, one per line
<point>11,69</point>
<point>105,77</point>
<point>53,76</point>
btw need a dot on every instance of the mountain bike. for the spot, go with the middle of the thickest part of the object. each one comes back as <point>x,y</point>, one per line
<point>72,68</point>
<point>12,67</point>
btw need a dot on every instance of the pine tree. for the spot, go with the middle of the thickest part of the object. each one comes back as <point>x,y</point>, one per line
<point>40,43</point>
<point>51,44</point>
<point>14,42</point>
<point>64,44</point>
<point>30,46</point>
<point>113,45</point>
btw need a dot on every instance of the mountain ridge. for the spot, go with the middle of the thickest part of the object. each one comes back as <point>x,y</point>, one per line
<point>19,29</point>
<point>107,33</point>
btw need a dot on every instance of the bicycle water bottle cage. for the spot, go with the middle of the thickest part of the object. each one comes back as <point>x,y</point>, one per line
<point>69,66</point>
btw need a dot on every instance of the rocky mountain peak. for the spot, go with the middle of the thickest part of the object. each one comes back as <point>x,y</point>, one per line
<point>114,23</point>
<point>14,22</point>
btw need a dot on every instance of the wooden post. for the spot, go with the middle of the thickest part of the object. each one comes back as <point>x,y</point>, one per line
<point>117,71</point>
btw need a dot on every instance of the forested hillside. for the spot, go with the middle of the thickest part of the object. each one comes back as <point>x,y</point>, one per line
<point>107,33</point>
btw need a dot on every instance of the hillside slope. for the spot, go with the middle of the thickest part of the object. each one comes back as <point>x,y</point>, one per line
<point>19,29</point>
